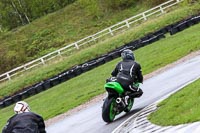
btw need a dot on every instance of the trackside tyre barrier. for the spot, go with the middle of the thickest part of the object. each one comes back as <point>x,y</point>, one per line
<point>24,95</point>
<point>100,61</point>
<point>184,24</point>
<point>16,98</point>
<point>39,87</point>
<point>54,81</point>
<point>135,44</point>
<point>89,65</point>
<point>115,54</point>
<point>63,77</point>
<point>108,58</point>
<point>31,91</point>
<point>190,22</point>
<point>71,73</point>
<point>168,28</point>
<point>8,101</point>
<point>47,84</point>
<point>196,19</point>
<point>79,69</point>
<point>2,105</point>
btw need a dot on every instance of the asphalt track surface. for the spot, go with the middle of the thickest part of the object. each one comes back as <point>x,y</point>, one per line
<point>89,120</point>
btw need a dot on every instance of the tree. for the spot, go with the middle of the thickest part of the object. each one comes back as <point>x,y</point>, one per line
<point>24,9</point>
<point>14,13</point>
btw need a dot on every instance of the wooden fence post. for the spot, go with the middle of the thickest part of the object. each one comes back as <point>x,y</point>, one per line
<point>110,31</point>
<point>42,60</point>
<point>8,76</point>
<point>76,45</point>
<point>144,16</point>
<point>127,24</point>
<point>161,9</point>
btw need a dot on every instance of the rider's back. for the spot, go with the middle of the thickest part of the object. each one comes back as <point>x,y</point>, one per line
<point>27,122</point>
<point>127,72</point>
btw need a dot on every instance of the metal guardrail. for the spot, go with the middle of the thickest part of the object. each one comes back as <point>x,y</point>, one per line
<point>121,26</point>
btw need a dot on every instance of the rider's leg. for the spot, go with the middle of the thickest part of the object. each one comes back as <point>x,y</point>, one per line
<point>137,92</point>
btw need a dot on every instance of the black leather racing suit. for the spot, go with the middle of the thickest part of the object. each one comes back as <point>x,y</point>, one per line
<point>26,122</point>
<point>128,72</point>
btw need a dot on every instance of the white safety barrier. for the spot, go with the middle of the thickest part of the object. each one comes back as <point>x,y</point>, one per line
<point>112,30</point>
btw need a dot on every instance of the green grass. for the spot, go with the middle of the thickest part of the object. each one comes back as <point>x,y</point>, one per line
<point>44,72</point>
<point>58,29</point>
<point>180,108</point>
<point>78,90</point>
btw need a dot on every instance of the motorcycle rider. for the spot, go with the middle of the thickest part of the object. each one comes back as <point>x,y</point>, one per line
<point>24,121</point>
<point>128,72</point>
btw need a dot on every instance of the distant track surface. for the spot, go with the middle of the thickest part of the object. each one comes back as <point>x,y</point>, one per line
<point>89,120</point>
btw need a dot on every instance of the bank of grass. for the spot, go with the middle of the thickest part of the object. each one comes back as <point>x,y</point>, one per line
<point>180,108</point>
<point>58,29</point>
<point>78,90</point>
<point>44,72</point>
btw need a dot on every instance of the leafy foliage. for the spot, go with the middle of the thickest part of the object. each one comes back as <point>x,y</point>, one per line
<point>117,4</point>
<point>55,30</point>
<point>15,13</point>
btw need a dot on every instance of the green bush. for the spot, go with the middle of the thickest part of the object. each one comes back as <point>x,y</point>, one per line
<point>14,13</point>
<point>91,8</point>
<point>153,2</point>
<point>117,4</point>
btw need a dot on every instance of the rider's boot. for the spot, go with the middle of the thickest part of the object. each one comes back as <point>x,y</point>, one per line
<point>136,94</point>
<point>126,100</point>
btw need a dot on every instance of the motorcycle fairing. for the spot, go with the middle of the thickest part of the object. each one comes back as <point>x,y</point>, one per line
<point>115,86</point>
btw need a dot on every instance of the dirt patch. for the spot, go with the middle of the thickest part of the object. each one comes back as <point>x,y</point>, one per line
<point>102,96</point>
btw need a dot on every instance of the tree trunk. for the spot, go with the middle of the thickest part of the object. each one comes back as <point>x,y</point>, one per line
<point>1,28</point>
<point>17,11</point>
<point>24,11</point>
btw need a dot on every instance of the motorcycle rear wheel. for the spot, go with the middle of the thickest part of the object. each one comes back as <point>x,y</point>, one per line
<point>108,112</point>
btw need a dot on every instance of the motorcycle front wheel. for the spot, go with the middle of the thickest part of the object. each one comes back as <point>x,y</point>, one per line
<point>108,110</point>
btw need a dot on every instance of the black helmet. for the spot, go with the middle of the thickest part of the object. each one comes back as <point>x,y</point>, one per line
<point>127,54</point>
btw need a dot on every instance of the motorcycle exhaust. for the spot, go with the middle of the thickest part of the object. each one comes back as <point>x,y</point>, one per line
<point>118,100</point>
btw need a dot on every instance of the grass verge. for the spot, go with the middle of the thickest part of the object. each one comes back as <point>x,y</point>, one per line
<point>180,108</point>
<point>80,89</point>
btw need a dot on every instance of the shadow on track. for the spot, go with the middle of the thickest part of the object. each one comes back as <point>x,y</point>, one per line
<point>125,116</point>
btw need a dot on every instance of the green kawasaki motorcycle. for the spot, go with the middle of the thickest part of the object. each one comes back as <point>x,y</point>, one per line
<point>117,101</point>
